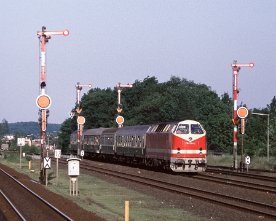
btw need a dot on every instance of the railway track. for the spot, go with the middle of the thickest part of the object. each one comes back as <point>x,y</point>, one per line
<point>253,207</point>
<point>27,204</point>
<point>229,171</point>
<point>238,183</point>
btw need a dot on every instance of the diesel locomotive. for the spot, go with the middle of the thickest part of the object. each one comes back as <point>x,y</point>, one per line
<point>178,146</point>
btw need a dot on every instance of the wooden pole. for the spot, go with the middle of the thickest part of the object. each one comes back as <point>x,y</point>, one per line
<point>20,156</point>
<point>46,177</point>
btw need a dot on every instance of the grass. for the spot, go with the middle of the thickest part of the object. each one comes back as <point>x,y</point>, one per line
<point>103,198</point>
<point>255,162</point>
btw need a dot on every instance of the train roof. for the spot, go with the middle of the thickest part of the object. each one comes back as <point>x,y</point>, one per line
<point>189,122</point>
<point>137,129</point>
<point>128,130</point>
<point>94,131</point>
<point>109,131</point>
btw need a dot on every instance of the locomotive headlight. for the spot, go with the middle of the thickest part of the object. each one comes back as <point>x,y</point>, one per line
<point>200,151</point>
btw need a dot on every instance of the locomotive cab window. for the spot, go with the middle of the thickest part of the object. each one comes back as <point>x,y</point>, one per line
<point>196,129</point>
<point>182,129</point>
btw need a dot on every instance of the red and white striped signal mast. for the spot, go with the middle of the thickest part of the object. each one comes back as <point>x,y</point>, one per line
<point>43,101</point>
<point>236,68</point>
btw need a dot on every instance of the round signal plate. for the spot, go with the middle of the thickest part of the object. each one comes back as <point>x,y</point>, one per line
<point>81,120</point>
<point>43,101</point>
<point>242,112</point>
<point>120,120</point>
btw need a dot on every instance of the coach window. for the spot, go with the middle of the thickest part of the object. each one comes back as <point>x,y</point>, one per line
<point>128,141</point>
<point>85,140</point>
<point>110,140</point>
<point>97,140</point>
<point>119,141</point>
<point>182,129</point>
<point>123,141</point>
<point>138,141</point>
<point>133,141</point>
<point>91,140</point>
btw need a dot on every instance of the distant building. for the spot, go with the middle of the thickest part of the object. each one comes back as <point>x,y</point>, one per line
<point>28,141</point>
<point>4,146</point>
<point>8,137</point>
<point>36,142</point>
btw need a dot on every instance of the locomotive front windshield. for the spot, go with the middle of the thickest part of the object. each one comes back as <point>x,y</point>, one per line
<point>186,129</point>
<point>182,129</point>
<point>196,129</point>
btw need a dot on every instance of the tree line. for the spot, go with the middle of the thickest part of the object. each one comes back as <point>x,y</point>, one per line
<point>178,99</point>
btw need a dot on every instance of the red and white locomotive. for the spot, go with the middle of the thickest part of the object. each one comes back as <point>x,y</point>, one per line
<point>178,146</point>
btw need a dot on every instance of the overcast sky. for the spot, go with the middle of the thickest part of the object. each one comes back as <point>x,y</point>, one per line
<point>127,40</point>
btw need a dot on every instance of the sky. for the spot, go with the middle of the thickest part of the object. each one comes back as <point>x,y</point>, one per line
<point>113,41</point>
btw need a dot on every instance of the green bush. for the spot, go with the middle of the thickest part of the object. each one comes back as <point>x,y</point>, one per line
<point>28,158</point>
<point>31,150</point>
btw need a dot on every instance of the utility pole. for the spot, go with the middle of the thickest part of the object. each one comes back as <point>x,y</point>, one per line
<point>80,119</point>
<point>43,101</point>
<point>236,68</point>
<point>119,118</point>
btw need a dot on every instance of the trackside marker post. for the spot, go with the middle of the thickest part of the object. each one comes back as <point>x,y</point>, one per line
<point>20,143</point>
<point>236,68</point>
<point>57,156</point>
<point>126,210</point>
<point>247,162</point>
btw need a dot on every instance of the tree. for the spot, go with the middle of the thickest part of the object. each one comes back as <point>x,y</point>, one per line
<point>150,102</point>
<point>64,136</point>
<point>4,127</point>
<point>99,108</point>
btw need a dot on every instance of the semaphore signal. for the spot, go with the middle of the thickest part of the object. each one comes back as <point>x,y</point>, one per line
<point>43,101</point>
<point>236,68</point>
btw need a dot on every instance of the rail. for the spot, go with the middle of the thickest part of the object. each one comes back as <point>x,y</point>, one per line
<point>13,206</point>
<point>39,197</point>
